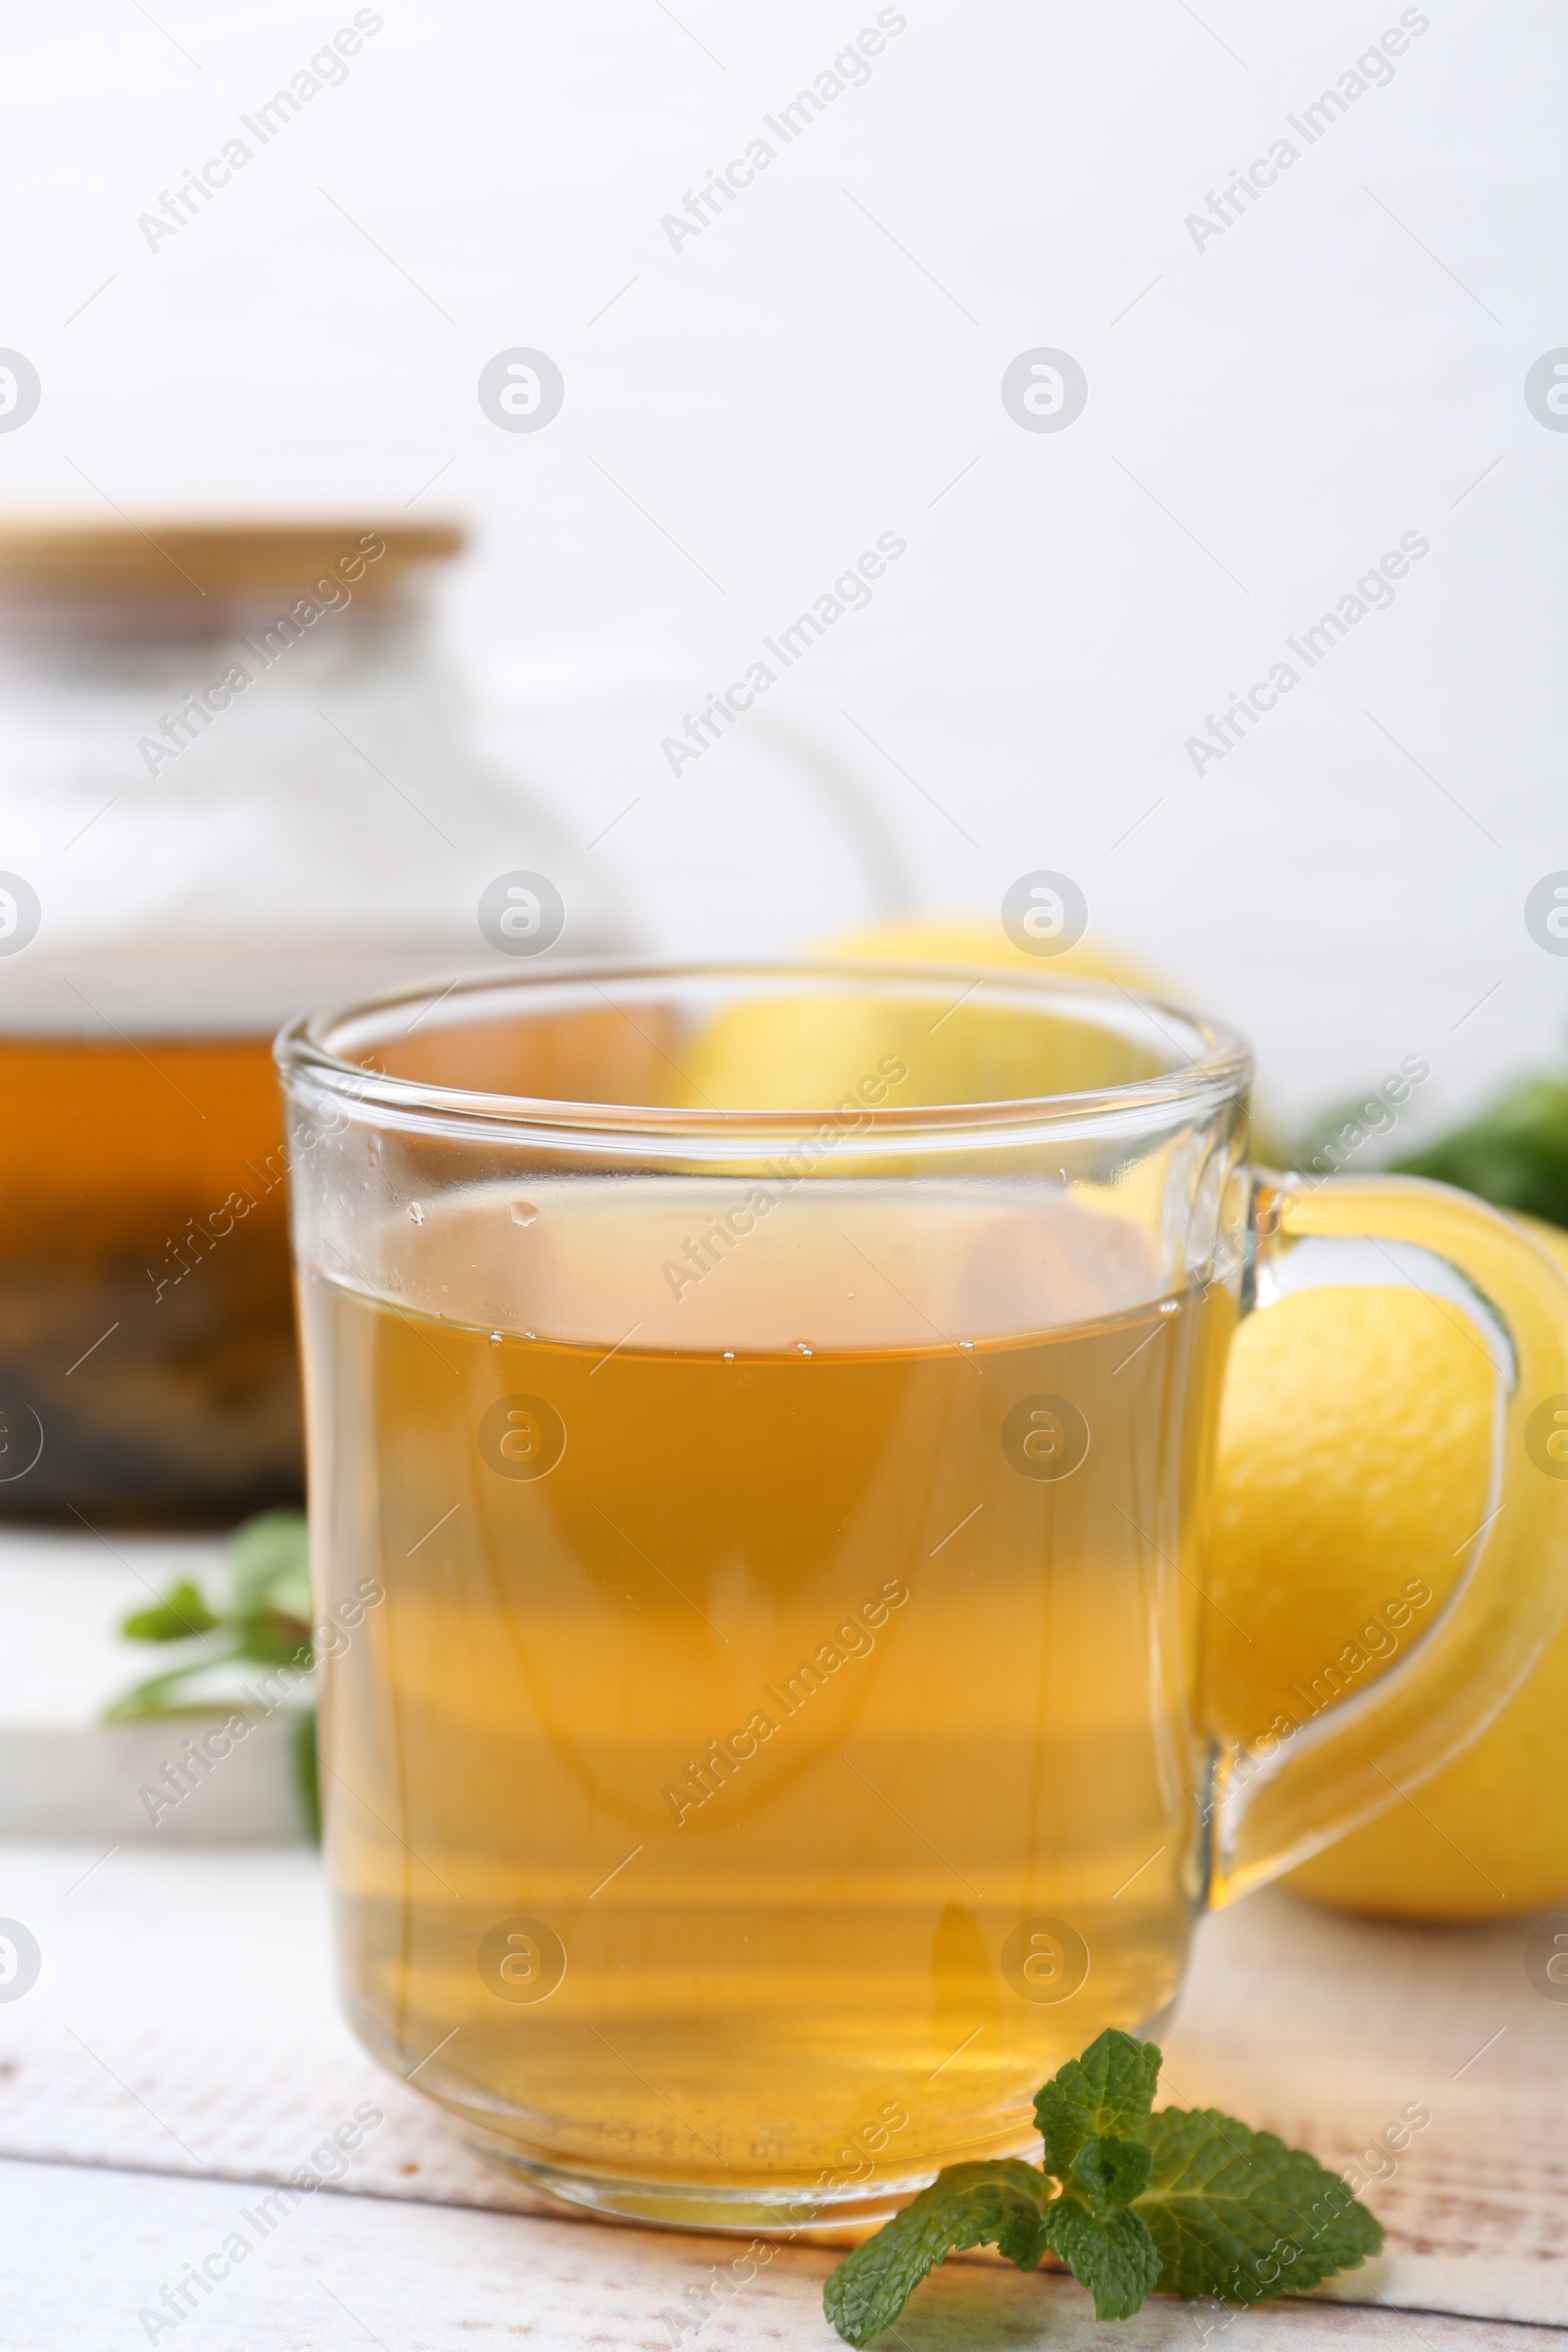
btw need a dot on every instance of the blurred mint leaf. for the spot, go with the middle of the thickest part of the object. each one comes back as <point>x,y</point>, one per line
<point>269,1565</point>
<point>1515,1155</point>
<point>269,1640</point>
<point>267,1621</point>
<point>307,1773</point>
<point>165,1694</point>
<point>180,1613</point>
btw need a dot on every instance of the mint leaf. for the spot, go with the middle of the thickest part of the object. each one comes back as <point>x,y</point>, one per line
<point>269,1639</point>
<point>1187,2202</point>
<point>1110,2172</point>
<point>1515,1153</point>
<point>1238,2215</point>
<point>1000,2204</point>
<point>1107,2093</point>
<point>1113,2254</point>
<point>269,1565</point>
<point>180,1613</point>
<point>161,1694</point>
<point>265,1621</point>
<point>306,1766</point>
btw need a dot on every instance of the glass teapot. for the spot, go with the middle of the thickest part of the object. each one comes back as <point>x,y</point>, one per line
<point>234,782</point>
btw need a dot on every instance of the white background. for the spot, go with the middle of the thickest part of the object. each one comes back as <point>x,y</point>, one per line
<point>821,363</point>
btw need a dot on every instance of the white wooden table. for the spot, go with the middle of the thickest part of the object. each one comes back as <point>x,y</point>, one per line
<point>80,2246</point>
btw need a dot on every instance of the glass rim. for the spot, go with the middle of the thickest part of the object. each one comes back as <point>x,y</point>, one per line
<point>1215,1064</point>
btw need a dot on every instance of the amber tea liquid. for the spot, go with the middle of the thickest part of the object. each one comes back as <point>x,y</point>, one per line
<point>147,1358</point>
<point>776,1722</point>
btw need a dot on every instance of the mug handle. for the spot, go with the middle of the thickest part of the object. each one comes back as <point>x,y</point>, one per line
<point>1272,1806</point>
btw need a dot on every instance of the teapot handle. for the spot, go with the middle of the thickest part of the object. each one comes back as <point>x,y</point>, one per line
<point>835,779</point>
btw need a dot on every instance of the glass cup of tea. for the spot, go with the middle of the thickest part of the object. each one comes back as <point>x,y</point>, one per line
<point>761,1430</point>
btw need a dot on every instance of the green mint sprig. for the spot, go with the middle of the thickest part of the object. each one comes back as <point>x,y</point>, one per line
<point>263,1620</point>
<point>1186,2202</point>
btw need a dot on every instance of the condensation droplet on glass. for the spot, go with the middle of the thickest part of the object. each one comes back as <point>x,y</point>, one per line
<point>415,1213</point>
<point>1170,1306</point>
<point>729,1356</point>
<point>494,1338</point>
<point>967,1342</point>
<point>804,1349</point>
<point>523,1212</point>
<point>529,1335</point>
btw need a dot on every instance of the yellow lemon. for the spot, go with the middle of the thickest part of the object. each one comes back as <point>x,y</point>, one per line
<point>1354,1457</point>
<point>797,1053</point>
<point>980,938</point>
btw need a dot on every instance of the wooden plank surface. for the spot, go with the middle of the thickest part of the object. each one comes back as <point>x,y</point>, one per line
<point>84,2254</point>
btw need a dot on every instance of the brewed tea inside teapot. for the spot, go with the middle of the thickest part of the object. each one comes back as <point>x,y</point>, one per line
<point>235,781</point>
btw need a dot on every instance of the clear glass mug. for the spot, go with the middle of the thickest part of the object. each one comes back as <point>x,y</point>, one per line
<point>761,1425</point>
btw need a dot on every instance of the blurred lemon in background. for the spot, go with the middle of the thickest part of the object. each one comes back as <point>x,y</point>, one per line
<point>796,1052</point>
<point>978,939</point>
